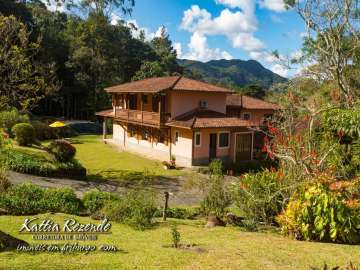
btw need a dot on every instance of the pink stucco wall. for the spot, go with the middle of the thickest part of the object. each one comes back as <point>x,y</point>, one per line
<point>183,101</point>
<point>202,151</point>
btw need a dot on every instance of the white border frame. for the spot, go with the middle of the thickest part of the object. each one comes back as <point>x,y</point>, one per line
<point>252,143</point>
<point>195,133</point>
<point>218,140</point>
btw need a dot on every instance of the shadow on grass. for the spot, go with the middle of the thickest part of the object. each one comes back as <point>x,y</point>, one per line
<point>125,178</point>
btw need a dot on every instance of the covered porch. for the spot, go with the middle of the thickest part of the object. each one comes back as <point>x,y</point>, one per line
<point>141,108</point>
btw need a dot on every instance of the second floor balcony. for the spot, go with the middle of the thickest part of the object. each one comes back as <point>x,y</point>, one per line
<point>141,117</point>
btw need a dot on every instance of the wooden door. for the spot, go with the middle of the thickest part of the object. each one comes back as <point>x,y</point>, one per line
<point>243,147</point>
<point>212,146</point>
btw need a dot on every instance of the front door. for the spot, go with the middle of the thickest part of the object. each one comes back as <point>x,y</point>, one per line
<point>212,146</point>
<point>243,146</point>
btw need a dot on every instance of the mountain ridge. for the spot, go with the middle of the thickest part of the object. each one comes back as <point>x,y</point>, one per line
<point>231,73</point>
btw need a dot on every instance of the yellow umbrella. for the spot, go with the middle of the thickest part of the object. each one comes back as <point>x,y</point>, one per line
<point>57,124</point>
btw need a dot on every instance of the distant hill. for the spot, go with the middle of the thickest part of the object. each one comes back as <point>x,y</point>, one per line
<point>231,72</point>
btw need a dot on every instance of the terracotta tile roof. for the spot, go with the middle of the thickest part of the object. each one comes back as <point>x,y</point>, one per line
<point>193,85</point>
<point>208,119</point>
<point>247,102</point>
<point>154,85</point>
<point>106,113</point>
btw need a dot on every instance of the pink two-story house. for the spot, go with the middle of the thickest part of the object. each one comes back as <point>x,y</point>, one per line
<point>191,120</point>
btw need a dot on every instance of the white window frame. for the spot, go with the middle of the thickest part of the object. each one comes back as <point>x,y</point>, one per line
<point>218,140</point>
<point>197,133</point>
<point>242,115</point>
<point>176,135</point>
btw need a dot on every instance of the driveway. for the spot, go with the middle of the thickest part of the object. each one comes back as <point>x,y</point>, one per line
<point>174,185</point>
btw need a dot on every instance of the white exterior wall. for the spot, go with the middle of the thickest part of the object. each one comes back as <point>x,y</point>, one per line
<point>159,151</point>
<point>118,133</point>
<point>182,149</point>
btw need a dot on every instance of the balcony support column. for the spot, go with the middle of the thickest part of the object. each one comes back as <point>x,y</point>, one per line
<point>141,107</point>
<point>104,129</point>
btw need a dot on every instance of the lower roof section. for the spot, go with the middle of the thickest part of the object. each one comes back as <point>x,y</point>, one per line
<point>208,119</point>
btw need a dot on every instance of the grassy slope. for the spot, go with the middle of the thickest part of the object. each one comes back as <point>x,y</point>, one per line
<point>226,248</point>
<point>105,162</point>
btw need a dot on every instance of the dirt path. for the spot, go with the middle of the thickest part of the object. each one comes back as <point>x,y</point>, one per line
<point>174,185</point>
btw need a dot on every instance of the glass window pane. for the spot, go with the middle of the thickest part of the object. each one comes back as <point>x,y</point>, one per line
<point>224,140</point>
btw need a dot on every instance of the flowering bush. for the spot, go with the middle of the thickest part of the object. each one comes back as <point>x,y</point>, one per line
<point>324,211</point>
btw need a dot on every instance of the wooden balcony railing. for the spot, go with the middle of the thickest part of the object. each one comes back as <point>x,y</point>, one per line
<point>141,117</point>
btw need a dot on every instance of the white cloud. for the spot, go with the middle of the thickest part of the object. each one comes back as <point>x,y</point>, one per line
<point>228,23</point>
<point>303,34</point>
<point>52,5</point>
<point>135,28</point>
<point>245,5</point>
<point>296,54</point>
<point>247,42</point>
<point>279,69</point>
<point>199,50</point>
<point>178,49</point>
<point>237,26</point>
<point>274,5</point>
<point>114,19</point>
<point>263,56</point>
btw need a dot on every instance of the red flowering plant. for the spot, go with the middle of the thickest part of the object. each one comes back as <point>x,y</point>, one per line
<point>295,138</point>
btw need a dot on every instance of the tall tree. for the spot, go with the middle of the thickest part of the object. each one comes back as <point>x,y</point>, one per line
<point>166,52</point>
<point>102,54</point>
<point>101,6</point>
<point>333,40</point>
<point>165,63</point>
<point>24,80</point>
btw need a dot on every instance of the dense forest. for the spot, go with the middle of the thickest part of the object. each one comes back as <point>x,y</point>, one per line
<point>69,57</point>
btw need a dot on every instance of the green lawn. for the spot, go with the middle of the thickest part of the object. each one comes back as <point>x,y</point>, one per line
<point>225,248</point>
<point>104,162</point>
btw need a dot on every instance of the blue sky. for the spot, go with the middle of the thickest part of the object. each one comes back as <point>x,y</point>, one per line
<point>213,29</point>
<point>222,29</point>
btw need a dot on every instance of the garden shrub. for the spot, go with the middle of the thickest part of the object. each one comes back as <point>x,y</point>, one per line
<point>94,200</point>
<point>175,236</point>
<point>62,150</point>
<point>135,208</point>
<point>217,198</point>
<point>4,181</point>
<point>43,131</point>
<point>10,118</point>
<point>24,199</point>
<point>62,200</point>
<point>179,212</point>
<point>261,196</point>
<point>322,212</point>
<point>24,133</point>
<point>27,199</point>
<point>254,166</point>
<point>32,164</point>
<point>71,169</point>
